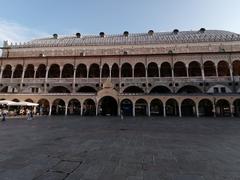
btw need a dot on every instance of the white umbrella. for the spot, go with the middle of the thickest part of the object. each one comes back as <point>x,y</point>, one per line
<point>32,104</point>
<point>6,102</point>
<point>22,103</point>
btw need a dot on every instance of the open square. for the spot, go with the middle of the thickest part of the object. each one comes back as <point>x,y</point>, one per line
<point>107,148</point>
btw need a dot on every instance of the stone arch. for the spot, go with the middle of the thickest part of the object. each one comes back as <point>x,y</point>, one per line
<point>223,108</point>
<point>236,104</point>
<point>54,71</point>
<point>153,70</point>
<point>43,108</point>
<point>16,100</point>
<point>29,73</point>
<point>81,71</point>
<point>108,106</point>
<point>139,70</point>
<point>172,107</point>
<point>160,90</point>
<point>58,107</point>
<point>223,68</point>
<point>180,69</point>
<point>219,88</point>
<point>29,100</point>
<point>4,89</point>
<point>156,107</point>
<point>41,71</point>
<point>133,89</point>
<point>188,108</point>
<point>236,68</point>
<point>141,107</point>
<point>115,71</point>
<point>59,89</point>
<point>86,89</point>
<point>205,108</point>
<point>74,107</point>
<point>209,68</point>
<point>189,89</point>
<point>67,71</point>
<point>194,69</point>
<point>166,70</point>
<point>105,71</point>
<point>126,107</point>
<point>18,71</point>
<point>126,70</point>
<point>94,71</point>
<point>89,108</point>
<point>7,72</point>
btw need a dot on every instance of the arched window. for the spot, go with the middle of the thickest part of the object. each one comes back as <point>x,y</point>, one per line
<point>236,68</point>
<point>139,70</point>
<point>172,107</point>
<point>67,71</point>
<point>7,72</point>
<point>29,73</point>
<point>115,70</point>
<point>223,69</point>
<point>133,89</point>
<point>205,107</point>
<point>18,71</point>
<point>153,70</point>
<point>194,69</point>
<point>41,71</point>
<point>54,71</point>
<point>126,70</point>
<point>166,70</point>
<point>156,107</point>
<point>59,89</point>
<point>188,107</point>
<point>189,89</point>
<point>160,90</point>
<point>141,107</point>
<point>81,71</point>
<point>180,69</point>
<point>209,69</point>
<point>94,71</point>
<point>105,71</point>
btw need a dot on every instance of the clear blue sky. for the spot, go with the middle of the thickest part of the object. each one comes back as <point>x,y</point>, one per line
<point>22,20</point>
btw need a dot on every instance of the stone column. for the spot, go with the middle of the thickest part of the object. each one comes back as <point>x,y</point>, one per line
<point>164,110</point>
<point>216,71</point>
<point>149,110</point>
<point>100,76</point>
<point>66,109</point>
<point>202,71</point>
<point>87,72</point>
<point>50,110</point>
<point>179,110</point>
<point>110,72</point>
<point>23,73</point>
<point>96,108</point>
<point>187,70</point>
<point>159,71</point>
<point>13,69</point>
<point>133,109</point>
<point>81,110</point>
<point>46,78</point>
<point>231,72</point>
<point>35,72</point>
<point>2,69</point>
<point>74,78</point>
<point>61,68</point>
<point>197,111</point>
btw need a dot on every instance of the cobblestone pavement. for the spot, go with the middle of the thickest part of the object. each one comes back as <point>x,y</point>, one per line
<point>108,148</point>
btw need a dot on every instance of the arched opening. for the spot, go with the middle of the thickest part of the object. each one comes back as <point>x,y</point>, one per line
<point>18,71</point>
<point>126,70</point>
<point>141,107</point>
<point>236,105</point>
<point>188,108</point>
<point>29,100</point>
<point>223,69</point>
<point>29,73</point>
<point>67,71</point>
<point>108,106</point>
<point>86,89</point>
<point>209,68</point>
<point>74,107</point>
<point>139,70</point>
<point>236,68</point>
<point>166,70</point>
<point>180,69</point>
<point>153,70</point>
<point>43,108</point>
<point>89,108</point>
<point>189,89</point>
<point>156,107</point>
<point>81,71</point>
<point>223,108</point>
<point>16,100</point>
<point>59,89</point>
<point>115,71</point>
<point>54,71</point>
<point>127,107</point>
<point>205,108</point>
<point>194,69</point>
<point>94,71</point>
<point>172,107</point>
<point>7,72</point>
<point>105,71</point>
<point>133,89</point>
<point>4,89</point>
<point>41,71</point>
<point>58,107</point>
<point>160,90</point>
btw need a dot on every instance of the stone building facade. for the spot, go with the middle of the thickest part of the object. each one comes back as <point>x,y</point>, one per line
<point>178,73</point>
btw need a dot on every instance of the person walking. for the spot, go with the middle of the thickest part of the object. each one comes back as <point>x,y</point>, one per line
<point>4,113</point>
<point>28,114</point>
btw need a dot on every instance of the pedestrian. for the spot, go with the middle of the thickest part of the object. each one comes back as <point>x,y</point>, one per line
<point>28,114</point>
<point>121,114</point>
<point>31,114</point>
<point>4,113</point>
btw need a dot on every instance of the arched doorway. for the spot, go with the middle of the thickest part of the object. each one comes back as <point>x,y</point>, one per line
<point>89,108</point>
<point>74,107</point>
<point>180,69</point>
<point>205,108</point>
<point>236,104</point>
<point>108,106</point>
<point>156,107</point>
<point>58,107</point>
<point>223,108</point>
<point>188,108</point>
<point>43,108</point>
<point>172,107</point>
<point>141,107</point>
<point>194,69</point>
<point>127,107</point>
<point>153,70</point>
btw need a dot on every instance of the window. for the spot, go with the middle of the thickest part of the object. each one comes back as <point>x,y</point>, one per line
<point>215,90</point>
<point>223,89</point>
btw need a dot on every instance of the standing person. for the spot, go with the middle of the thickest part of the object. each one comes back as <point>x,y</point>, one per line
<point>28,114</point>
<point>121,113</point>
<point>31,114</point>
<point>4,113</point>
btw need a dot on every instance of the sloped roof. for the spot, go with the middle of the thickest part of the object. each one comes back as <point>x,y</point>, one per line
<point>134,39</point>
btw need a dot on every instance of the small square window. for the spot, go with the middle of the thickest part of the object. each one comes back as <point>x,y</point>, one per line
<point>223,89</point>
<point>215,90</point>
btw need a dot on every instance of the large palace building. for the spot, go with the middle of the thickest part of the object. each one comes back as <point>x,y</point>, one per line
<point>178,73</point>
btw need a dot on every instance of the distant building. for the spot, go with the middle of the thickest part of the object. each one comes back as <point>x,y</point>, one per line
<point>179,73</point>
